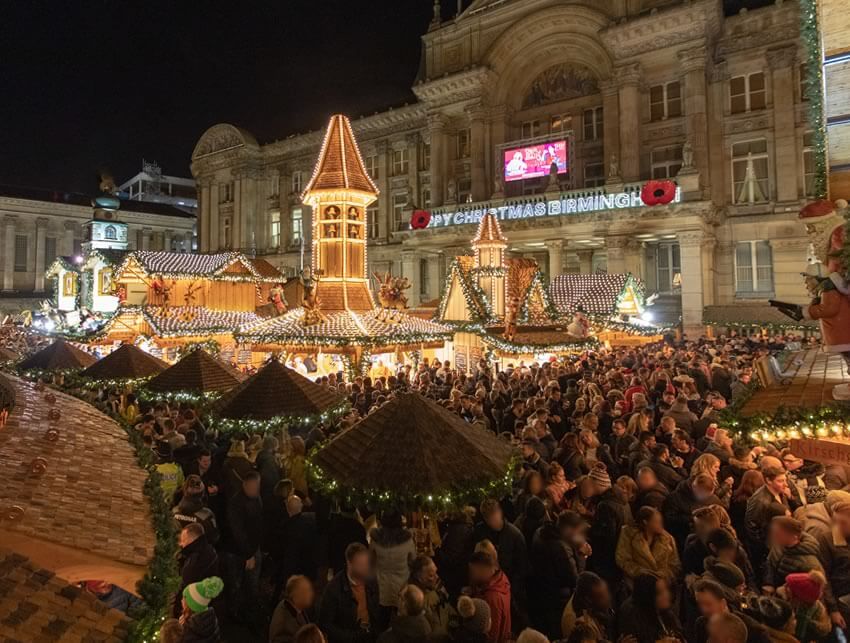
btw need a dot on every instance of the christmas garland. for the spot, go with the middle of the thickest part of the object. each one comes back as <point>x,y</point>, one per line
<point>811,37</point>
<point>250,425</point>
<point>408,500</point>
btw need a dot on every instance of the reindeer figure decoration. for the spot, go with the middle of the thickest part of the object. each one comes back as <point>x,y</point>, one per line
<point>391,296</point>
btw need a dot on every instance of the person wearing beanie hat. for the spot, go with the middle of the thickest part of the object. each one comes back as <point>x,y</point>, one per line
<point>475,620</point>
<point>199,622</point>
<point>803,591</point>
<point>600,478</point>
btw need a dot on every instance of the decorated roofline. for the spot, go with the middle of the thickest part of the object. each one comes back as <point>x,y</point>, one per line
<point>60,263</point>
<point>230,258</point>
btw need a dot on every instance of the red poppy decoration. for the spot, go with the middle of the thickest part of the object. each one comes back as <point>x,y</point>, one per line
<point>420,219</point>
<point>658,192</point>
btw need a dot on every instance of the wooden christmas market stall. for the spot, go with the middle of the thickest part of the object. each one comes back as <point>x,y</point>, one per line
<point>58,357</point>
<point>338,314</point>
<point>195,375</point>
<point>173,299</point>
<point>274,397</point>
<point>413,454</point>
<point>128,364</point>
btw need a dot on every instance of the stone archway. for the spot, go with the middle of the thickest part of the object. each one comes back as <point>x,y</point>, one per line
<point>553,36</point>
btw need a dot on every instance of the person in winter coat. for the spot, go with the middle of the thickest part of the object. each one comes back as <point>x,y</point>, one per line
<point>200,624</point>
<point>612,513</point>
<point>764,504</point>
<point>410,625</point>
<point>558,556</point>
<point>679,507</point>
<point>345,527</point>
<point>804,592</point>
<point>196,560</point>
<point>439,610</point>
<point>834,555</point>
<point>491,585</point>
<point>235,468</point>
<point>668,470</point>
<point>714,601</point>
<point>645,547</point>
<point>475,621</point>
<point>651,493</point>
<point>299,551</point>
<point>350,611</point>
<point>590,602</point>
<point>685,418</point>
<point>293,612</point>
<point>792,550</point>
<point>453,554</point>
<point>776,615</point>
<point>648,615</point>
<point>510,546</point>
<point>245,518</point>
<point>531,520</point>
<point>192,509</point>
<point>392,549</point>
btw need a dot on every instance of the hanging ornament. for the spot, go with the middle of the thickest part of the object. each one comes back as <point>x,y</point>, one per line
<point>658,192</point>
<point>420,219</point>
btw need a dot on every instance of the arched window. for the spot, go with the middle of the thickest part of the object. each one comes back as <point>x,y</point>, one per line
<point>110,233</point>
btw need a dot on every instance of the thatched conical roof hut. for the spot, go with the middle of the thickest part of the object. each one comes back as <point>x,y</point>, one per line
<point>127,362</point>
<point>196,372</point>
<point>277,395</point>
<point>58,356</point>
<point>412,452</point>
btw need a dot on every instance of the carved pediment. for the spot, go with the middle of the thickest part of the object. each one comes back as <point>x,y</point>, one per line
<point>561,82</point>
<point>223,137</point>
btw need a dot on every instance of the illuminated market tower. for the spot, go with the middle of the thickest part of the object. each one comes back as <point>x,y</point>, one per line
<point>339,192</point>
<point>490,245</point>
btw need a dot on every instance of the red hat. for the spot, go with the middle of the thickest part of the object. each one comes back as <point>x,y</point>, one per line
<point>817,209</point>
<point>805,587</point>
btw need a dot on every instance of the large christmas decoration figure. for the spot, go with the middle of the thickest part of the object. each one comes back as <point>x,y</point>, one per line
<point>826,224</point>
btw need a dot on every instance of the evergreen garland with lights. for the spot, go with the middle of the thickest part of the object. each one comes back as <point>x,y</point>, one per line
<point>811,37</point>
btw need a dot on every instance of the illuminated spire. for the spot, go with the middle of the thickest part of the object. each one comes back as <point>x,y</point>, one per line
<point>340,166</point>
<point>489,233</point>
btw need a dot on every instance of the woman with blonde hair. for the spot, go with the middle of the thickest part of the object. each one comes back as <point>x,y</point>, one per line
<point>710,465</point>
<point>638,423</point>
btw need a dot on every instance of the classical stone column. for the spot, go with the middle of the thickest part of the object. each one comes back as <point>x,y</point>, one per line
<point>435,276</point>
<point>437,127</point>
<point>146,238</point>
<point>480,189</point>
<point>9,223</point>
<point>693,62</point>
<point>166,240</point>
<point>628,79</point>
<point>555,247</point>
<point>585,261</point>
<point>697,259</point>
<point>719,179</point>
<point>616,247</point>
<point>498,135</point>
<point>410,269</point>
<point>610,121</point>
<point>787,159</point>
<point>204,215</point>
<point>214,224</point>
<point>40,234</point>
<point>187,242</point>
<point>236,218</point>
<point>633,258</point>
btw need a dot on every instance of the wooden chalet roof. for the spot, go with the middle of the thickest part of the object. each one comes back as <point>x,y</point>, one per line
<point>199,372</point>
<point>39,606</point>
<point>276,390</point>
<point>266,270</point>
<point>60,355</point>
<point>595,294</point>
<point>413,446</point>
<point>341,329</point>
<point>340,165</point>
<point>233,266</point>
<point>61,263</point>
<point>89,495</point>
<point>489,231</point>
<point>126,362</point>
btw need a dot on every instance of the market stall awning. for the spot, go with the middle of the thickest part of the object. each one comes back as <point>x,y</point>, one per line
<point>753,316</point>
<point>198,372</point>
<point>126,362</point>
<point>412,451</point>
<point>58,356</point>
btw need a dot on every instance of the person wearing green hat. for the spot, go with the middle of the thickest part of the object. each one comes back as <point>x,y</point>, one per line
<point>200,624</point>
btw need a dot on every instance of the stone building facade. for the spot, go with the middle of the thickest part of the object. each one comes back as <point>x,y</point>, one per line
<point>639,89</point>
<point>37,226</point>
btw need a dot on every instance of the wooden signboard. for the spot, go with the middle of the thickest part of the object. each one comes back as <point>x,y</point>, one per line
<point>823,451</point>
<point>460,359</point>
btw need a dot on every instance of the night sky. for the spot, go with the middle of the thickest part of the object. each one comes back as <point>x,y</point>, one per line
<point>92,83</point>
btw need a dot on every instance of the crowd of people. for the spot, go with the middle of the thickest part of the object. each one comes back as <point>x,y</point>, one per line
<point>635,517</point>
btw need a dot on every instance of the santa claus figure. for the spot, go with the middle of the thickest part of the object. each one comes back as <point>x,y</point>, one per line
<point>827,281</point>
<point>580,326</point>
